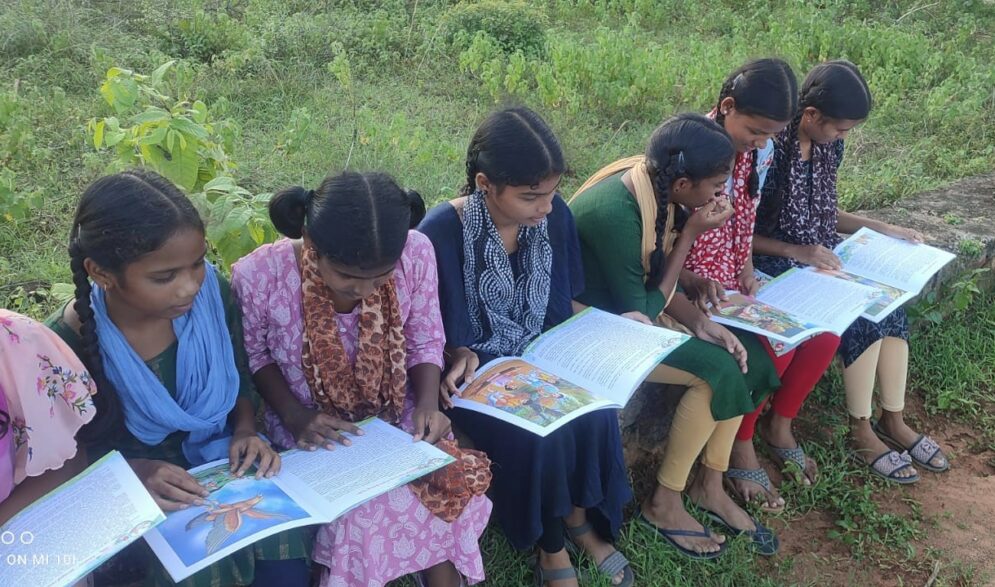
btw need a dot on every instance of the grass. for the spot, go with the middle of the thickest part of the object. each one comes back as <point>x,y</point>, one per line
<point>604,73</point>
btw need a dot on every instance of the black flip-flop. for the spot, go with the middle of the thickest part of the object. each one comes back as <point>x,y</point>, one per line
<point>763,540</point>
<point>668,534</point>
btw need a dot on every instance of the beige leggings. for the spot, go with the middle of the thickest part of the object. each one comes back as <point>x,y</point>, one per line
<point>889,359</point>
<point>692,430</point>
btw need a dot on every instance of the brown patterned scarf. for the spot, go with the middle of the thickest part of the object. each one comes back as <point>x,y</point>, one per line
<point>376,384</point>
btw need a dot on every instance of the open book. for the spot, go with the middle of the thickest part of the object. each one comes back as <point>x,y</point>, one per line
<point>879,274</point>
<point>313,487</point>
<point>60,538</point>
<point>593,361</point>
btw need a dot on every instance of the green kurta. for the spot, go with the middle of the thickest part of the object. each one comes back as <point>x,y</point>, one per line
<point>237,569</point>
<point>610,230</point>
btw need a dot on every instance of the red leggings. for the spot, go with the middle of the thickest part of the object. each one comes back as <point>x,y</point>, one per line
<point>799,369</point>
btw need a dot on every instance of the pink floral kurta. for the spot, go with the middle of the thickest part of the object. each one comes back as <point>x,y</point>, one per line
<point>394,534</point>
<point>45,399</point>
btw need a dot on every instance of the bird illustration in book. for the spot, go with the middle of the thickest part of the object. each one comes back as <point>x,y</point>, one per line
<point>227,519</point>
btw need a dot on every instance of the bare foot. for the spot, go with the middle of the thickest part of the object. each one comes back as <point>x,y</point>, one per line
<point>554,561</point>
<point>590,542</point>
<point>665,509</point>
<point>745,457</point>
<point>706,491</point>
<point>893,424</point>
<point>776,431</point>
<point>870,447</point>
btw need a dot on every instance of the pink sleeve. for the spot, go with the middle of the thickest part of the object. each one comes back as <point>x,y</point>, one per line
<point>252,280</point>
<point>423,328</point>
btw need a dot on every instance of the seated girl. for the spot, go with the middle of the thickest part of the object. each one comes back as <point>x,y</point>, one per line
<point>757,100</point>
<point>45,398</point>
<point>160,333</point>
<point>509,267</point>
<point>798,224</point>
<point>635,233</point>
<point>342,323</point>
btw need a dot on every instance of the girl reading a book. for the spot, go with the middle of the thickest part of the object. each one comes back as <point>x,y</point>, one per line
<point>509,267</point>
<point>635,233</point>
<point>756,101</point>
<point>342,324</point>
<point>160,333</point>
<point>45,398</point>
<point>798,224</point>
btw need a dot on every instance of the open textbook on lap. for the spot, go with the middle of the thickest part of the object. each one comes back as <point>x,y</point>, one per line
<point>880,273</point>
<point>313,487</point>
<point>593,361</point>
<point>70,531</point>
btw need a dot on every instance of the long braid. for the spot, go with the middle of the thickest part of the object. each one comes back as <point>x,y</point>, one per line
<point>471,171</point>
<point>106,401</point>
<point>661,188</point>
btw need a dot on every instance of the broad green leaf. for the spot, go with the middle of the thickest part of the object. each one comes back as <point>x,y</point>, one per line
<point>199,112</point>
<point>189,127</point>
<point>156,137</point>
<point>151,114</point>
<point>179,165</point>
<point>98,134</point>
<point>156,78</point>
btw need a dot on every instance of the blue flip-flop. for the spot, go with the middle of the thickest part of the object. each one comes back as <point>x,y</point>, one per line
<point>668,535</point>
<point>763,540</point>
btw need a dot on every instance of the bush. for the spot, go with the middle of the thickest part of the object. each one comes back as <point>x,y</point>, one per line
<point>514,25</point>
<point>206,36</point>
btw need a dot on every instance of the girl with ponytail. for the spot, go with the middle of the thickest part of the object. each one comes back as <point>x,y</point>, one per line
<point>798,224</point>
<point>757,101</point>
<point>158,329</point>
<point>509,267</point>
<point>341,324</point>
<point>635,234</point>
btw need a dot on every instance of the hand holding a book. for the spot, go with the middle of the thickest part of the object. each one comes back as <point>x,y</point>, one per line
<point>463,363</point>
<point>705,293</point>
<point>817,256</point>
<point>246,448</point>
<point>906,234</point>
<point>313,428</point>
<point>430,424</point>
<point>171,486</point>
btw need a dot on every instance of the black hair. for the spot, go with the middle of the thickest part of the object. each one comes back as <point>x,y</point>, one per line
<point>837,90</point>
<point>762,87</point>
<point>690,146</point>
<point>514,146</point>
<point>119,218</point>
<point>356,219</point>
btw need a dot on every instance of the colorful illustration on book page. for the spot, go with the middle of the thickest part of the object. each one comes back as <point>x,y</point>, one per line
<point>241,507</point>
<point>527,392</point>
<point>885,297</point>
<point>849,248</point>
<point>746,310</point>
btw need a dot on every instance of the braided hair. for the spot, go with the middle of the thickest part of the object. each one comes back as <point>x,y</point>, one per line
<point>838,91</point>
<point>356,219</point>
<point>119,218</point>
<point>689,146</point>
<point>514,146</point>
<point>763,87</point>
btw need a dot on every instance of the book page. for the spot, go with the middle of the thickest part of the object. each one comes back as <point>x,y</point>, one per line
<point>518,392</point>
<point>818,298</point>
<point>887,299</point>
<point>383,458</point>
<point>607,354</point>
<point>238,512</point>
<point>311,488</point>
<point>901,264</point>
<point>752,315</point>
<point>63,536</point>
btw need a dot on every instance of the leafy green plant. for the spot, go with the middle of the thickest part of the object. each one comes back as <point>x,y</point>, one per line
<point>969,247</point>
<point>513,25</point>
<point>206,36</point>
<point>237,220</point>
<point>177,138</point>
